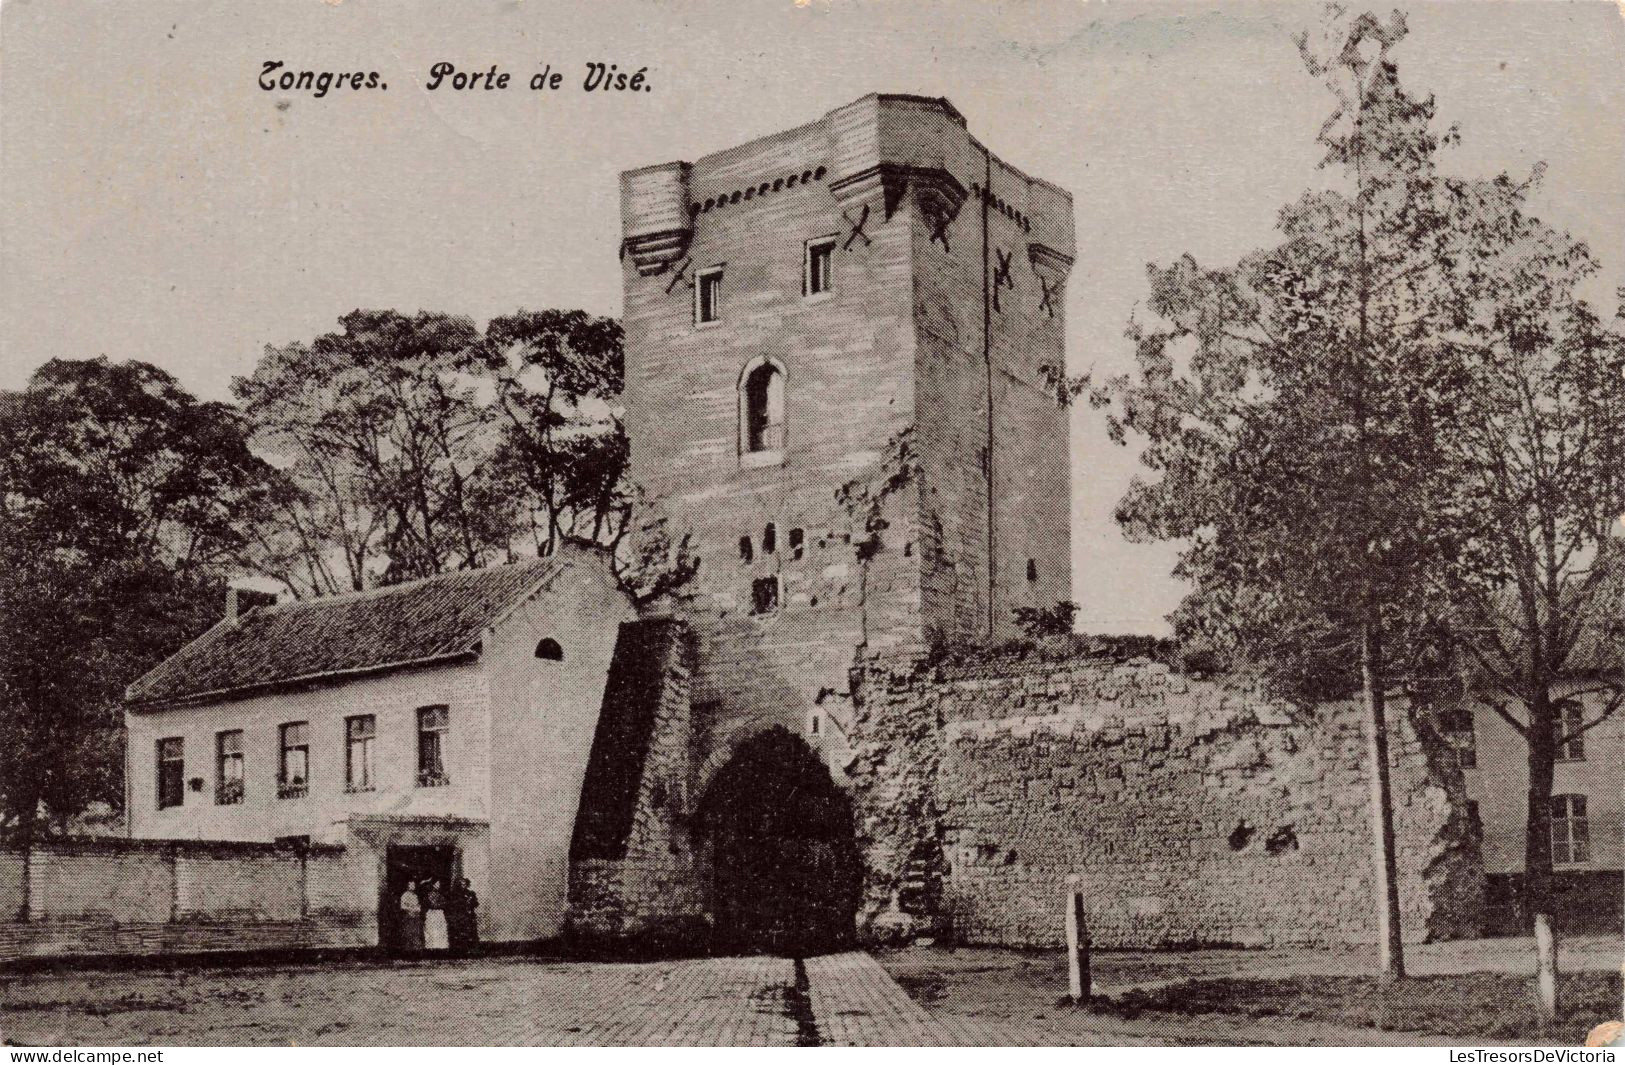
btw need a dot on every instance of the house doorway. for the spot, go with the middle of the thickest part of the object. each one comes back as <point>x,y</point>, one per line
<point>786,876</point>
<point>405,865</point>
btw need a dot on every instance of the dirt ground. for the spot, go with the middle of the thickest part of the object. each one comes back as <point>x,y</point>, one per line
<point>1023,991</point>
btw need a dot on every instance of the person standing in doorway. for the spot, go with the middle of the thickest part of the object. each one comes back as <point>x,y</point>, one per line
<point>434,918</point>
<point>461,917</point>
<point>411,921</point>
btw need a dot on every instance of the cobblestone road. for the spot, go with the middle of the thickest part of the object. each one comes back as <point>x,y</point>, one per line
<point>846,999</point>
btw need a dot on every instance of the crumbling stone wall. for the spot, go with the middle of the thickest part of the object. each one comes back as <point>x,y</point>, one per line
<point>1193,812</point>
<point>652,887</point>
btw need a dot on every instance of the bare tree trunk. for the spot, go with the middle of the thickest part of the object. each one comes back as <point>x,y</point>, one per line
<point>1385,864</point>
<point>1537,851</point>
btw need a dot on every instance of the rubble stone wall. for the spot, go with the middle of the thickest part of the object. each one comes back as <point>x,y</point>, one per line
<point>1192,812</point>
<point>654,888</point>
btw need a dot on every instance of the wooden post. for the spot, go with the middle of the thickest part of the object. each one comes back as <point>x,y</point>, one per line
<point>25,912</point>
<point>172,856</point>
<point>1546,968</point>
<point>304,883</point>
<point>1077,944</point>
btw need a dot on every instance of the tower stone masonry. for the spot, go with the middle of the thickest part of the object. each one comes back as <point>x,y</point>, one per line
<point>867,302</point>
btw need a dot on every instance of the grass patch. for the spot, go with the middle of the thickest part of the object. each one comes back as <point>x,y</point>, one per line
<point>1475,1005</point>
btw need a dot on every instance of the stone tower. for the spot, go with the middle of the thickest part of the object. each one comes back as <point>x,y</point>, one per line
<point>869,302</point>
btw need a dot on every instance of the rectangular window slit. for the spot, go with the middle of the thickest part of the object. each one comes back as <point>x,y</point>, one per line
<point>764,595</point>
<point>818,274</point>
<point>708,295</point>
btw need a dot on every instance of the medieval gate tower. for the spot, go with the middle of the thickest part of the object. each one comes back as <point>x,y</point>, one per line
<point>870,302</point>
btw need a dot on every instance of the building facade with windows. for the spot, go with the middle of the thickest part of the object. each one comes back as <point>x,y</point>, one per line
<point>1588,805</point>
<point>436,728</point>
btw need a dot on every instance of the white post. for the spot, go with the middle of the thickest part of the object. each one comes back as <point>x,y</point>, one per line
<point>1077,944</point>
<point>1546,971</point>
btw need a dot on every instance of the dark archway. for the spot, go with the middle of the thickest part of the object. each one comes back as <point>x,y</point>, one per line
<point>786,874</point>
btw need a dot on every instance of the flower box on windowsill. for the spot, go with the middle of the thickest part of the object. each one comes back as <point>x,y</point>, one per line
<point>357,789</point>
<point>228,793</point>
<point>433,780</point>
<point>291,789</point>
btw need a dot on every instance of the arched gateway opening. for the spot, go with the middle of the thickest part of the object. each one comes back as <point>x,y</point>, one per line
<point>786,875</point>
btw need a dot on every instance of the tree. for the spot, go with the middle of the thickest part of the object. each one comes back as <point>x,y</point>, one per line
<point>1538,453</point>
<point>384,440</point>
<point>563,453</point>
<point>121,498</point>
<point>563,448</point>
<point>412,445</point>
<point>103,461</point>
<point>1293,408</point>
<point>74,635</point>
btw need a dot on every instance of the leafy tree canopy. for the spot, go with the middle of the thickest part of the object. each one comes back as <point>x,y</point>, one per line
<point>121,496</point>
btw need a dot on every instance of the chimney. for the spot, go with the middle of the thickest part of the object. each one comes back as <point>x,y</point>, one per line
<point>239,601</point>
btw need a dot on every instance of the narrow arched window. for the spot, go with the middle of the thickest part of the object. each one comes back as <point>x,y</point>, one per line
<point>761,409</point>
<point>550,650</point>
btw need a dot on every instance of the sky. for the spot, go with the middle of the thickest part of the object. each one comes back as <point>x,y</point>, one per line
<point>157,204</point>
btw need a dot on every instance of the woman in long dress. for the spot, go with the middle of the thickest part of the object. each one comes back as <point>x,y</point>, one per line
<point>411,908</point>
<point>435,935</point>
<point>461,919</point>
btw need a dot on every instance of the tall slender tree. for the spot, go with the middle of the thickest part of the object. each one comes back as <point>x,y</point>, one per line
<point>1293,407</point>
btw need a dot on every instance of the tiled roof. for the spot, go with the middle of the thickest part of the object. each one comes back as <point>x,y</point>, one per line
<point>429,620</point>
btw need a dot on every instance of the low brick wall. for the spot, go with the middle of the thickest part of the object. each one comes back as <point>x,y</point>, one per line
<point>89,897</point>
<point>1193,813</point>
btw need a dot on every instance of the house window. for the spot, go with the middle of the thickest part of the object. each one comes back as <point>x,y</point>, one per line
<point>1566,723</point>
<point>359,733</point>
<point>818,270</point>
<point>1457,726</point>
<point>1571,835</point>
<point>228,767</point>
<point>293,769</point>
<point>761,402</point>
<point>433,724</point>
<point>171,772</point>
<point>764,595</point>
<point>708,295</point>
